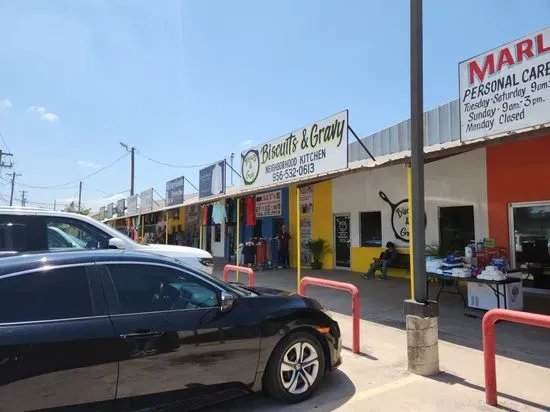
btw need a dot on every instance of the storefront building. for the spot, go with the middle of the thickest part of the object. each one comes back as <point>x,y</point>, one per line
<point>518,191</point>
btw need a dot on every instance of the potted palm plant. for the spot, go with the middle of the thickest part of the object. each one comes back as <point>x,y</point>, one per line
<point>318,248</point>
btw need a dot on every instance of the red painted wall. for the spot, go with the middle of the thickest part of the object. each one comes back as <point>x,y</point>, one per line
<point>516,172</point>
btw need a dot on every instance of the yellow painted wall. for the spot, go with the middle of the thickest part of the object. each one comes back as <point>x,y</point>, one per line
<point>362,257</point>
<point>321,220</point>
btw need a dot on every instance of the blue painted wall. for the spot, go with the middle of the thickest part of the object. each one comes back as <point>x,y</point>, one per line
<point>267,222</point>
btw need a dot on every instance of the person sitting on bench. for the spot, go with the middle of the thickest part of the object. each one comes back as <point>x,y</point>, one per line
<point>387,258</point>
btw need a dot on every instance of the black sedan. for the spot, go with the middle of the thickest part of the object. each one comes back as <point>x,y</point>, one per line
<point>120,331</point>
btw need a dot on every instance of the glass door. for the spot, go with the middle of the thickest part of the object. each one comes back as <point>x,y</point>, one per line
<point>342,234</point>
<point>530,243</point>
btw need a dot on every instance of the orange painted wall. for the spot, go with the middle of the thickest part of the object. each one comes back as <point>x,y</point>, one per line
<point>516,172</point>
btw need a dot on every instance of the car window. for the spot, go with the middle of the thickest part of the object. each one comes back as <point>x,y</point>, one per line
<point>13,234</point>
<point>65,233</point>
<point>49,294</point>
<point>149,288</point>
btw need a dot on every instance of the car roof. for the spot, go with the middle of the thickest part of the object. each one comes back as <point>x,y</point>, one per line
<point>17,210</point>
<point>34,260</point>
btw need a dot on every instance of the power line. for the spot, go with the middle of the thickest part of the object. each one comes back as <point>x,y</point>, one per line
<point>169,164</point>
<point>4,141</point>
<point>79,179</point>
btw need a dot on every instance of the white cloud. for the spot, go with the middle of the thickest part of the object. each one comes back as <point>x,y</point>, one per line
<point>44,114</point>
<point>50,117</point>
<point>247,142</point>
<point>91,165</point>
<point>7,103</point>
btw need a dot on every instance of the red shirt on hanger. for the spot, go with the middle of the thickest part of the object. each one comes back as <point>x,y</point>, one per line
<point>250,211</point>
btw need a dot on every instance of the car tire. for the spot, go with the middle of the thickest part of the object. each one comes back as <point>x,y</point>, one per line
<point>296,368</point>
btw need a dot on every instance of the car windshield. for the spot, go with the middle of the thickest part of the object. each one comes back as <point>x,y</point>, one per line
<point>231,287</point>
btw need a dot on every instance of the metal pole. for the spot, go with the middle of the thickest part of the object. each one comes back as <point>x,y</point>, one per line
<point>79,196</point>
<point>238,234</point>
<point>132,150</point>
<point>13,175</point>
<point>298,241</point>
<point>411,247</point>
<point>417,153</point>
<point>166,230</point>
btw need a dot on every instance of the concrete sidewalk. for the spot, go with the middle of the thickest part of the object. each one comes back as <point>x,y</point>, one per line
<point>382,303</point>
<point>377,380</point>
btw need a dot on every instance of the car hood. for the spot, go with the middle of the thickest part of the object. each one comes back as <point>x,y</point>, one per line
<point>175,251</point>
<point>258,290</point>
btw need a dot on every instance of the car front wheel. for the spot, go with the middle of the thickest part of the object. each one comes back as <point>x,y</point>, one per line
<point>296,368</point>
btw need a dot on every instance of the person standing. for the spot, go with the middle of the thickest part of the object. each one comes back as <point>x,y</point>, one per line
<point>284,239</point>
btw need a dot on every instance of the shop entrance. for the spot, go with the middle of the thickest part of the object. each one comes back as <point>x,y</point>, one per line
<point>342,242</point>
<point>530,243</point>
<point>456,228</point>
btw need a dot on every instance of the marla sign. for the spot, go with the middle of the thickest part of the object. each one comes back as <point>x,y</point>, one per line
<point>507,88</point>
<point>316,149</point>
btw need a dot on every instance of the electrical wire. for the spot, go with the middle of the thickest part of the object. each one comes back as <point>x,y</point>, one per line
<point>77,180</point>
<point>171,165</point>
<point>4,140</point>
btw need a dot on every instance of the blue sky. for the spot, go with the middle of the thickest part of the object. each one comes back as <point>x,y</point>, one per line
<point>190,82</point>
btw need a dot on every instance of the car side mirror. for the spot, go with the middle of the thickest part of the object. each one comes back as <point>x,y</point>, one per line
<point>116,243</point>
<point>227,301</point>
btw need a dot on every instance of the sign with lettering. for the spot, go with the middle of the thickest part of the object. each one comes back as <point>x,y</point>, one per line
<point>102,211</point>
<point>506,89</point>
<point>400,217</point>
<point>306,199</point>
<point>110,209</point>
<point>269,204</point>
<point>212,180</point>
<point>316,149</point>
<point>174,191</point>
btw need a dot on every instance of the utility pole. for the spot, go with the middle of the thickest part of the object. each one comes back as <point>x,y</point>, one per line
<point>23,199</point>
<point>132,150</point>
<point>421,314</point>
<point>2,164</point>
<point>54,205</point>
<point>79,196</point>
<point>13,176</point>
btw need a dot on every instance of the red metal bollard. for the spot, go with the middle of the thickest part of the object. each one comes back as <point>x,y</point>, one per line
<point>488,331</point>
<point>234,268</point>
<point>355,302</point>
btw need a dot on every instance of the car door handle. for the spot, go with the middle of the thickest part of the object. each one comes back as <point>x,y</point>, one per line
<point>141,335</point>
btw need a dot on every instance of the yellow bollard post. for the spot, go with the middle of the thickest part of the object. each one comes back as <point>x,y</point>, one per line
<point>238,236</point>
<point>409,217</point>
<point>298,240</point>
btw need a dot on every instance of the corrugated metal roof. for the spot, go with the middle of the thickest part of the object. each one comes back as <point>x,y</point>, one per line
<point>441,125</point>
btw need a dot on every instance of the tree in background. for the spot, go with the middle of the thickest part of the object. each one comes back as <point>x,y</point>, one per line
<point>73,208</point>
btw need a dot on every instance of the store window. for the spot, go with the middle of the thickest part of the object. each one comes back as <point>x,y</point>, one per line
<point>371,229</point>
<point>531,243</point>
<point>456,229</point>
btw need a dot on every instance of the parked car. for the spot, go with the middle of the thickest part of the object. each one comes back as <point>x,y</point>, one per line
<point>122,331</point>
<point>31,229</point>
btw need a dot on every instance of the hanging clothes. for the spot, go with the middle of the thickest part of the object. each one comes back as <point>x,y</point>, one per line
<point>218,214</point>
<point>250,211</point>
<point>205,215</point>
<point>217,180</point>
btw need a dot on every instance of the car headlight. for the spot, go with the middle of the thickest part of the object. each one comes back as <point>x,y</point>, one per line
<point>208,262</point>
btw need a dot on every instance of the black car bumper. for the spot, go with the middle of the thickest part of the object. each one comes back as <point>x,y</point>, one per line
<point>334,343</point>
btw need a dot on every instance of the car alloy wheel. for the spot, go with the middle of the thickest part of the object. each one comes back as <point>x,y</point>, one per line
<point>296,367</point>
<point>299,368</point>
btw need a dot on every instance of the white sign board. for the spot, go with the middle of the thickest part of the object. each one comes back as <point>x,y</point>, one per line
<point>310,151</point>
<point>146,204</point>
<point>132,203</point>
<point>269,204</point>
<point>507,88</point>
